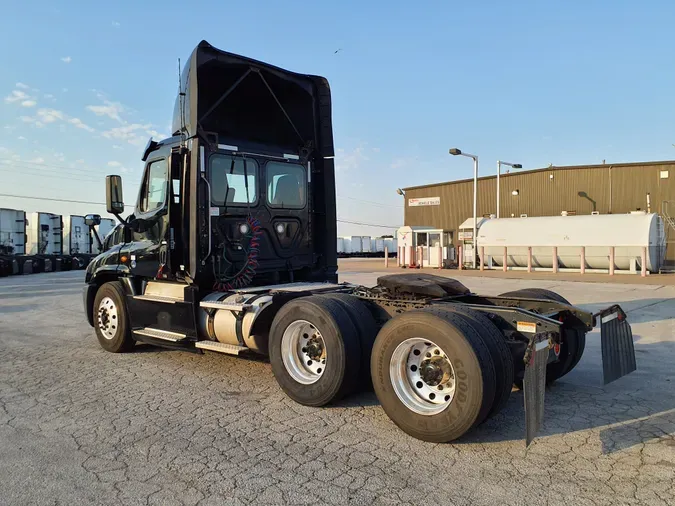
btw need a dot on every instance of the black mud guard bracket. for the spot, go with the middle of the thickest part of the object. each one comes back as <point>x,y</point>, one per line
<point>618,359</point>
<point>534,384</point>
<point>618,349</point>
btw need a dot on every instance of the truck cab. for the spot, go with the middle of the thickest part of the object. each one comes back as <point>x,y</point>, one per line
<point>241,195</point>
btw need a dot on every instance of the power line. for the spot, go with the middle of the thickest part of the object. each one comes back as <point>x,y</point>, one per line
<point>71,201</point>
<point>366,224</point>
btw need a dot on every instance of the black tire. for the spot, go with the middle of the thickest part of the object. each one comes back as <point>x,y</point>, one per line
<point>343,352</point>
<point>573,344</point>
<point>121,340</point>
<point>472,363</point>
<point>499,350</point>
<point>366,326</point>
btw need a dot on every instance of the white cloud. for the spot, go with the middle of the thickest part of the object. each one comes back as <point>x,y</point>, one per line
<point>16,157</point>
<point>21,138</point>
<point>48,95</point>
<point>79,124</point>
<point>4,149</point>
<point>22,86</point>
<point>116,146</point>
<point>79,160</point>
<point>66,59</point>
<point>38,159</point>
<point>114,164</point>
<point>50,115</point>
<point>29,103</point>
<point>110,109</point>
<point>116,24</point>
<point>129,133</point>
<point>16,96</point>
<point>350,160</point>
<point>32,121</point>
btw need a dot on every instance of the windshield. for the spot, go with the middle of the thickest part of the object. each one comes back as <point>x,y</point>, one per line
<point>229,176</point>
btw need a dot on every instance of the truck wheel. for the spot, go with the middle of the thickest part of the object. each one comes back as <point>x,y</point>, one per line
<point>573,344</point>
<point>314,350</point>
<point>366,326</point>
<point>501,355</point>
<point>433,374</point>
<point>111,320</point>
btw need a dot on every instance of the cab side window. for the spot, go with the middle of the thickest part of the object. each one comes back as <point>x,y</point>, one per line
<point>154,186</point>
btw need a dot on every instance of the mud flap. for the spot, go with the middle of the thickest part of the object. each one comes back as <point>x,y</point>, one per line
<point>618,350</point>
<point>534,384</point>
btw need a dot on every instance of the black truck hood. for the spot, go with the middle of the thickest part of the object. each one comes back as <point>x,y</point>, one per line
<point>243,99</point>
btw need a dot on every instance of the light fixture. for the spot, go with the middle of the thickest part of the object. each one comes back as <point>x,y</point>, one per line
<point>499,173</point>
<point>515,193</point>
<point>455,152</point>
<point>244,228</point>
<point>400,192</point>
<point>280,228</point>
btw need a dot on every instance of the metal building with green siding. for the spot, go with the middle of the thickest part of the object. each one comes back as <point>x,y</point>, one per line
<point>607,188</point>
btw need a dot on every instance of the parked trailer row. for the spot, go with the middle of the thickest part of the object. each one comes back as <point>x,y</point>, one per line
<point>365,246</point>
<point>47,242</point>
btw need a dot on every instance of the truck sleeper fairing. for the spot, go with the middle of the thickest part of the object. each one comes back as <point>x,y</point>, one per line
<point>233,105</point>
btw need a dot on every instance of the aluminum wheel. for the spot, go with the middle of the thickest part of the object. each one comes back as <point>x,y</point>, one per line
<point>107,318</point>
<point>422,376</point>
<point>303,352</point>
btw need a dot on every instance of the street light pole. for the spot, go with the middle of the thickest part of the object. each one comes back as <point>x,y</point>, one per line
<point>474,238</point>
<point>499,173</point>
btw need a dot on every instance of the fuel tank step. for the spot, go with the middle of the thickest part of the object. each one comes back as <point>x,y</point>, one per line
<point>224,305</point>
<point>230,349</point>
<point>165,335</point>
<point>158,298</point>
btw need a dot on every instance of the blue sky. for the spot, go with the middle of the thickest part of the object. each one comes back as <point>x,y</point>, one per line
<point>84,86</point>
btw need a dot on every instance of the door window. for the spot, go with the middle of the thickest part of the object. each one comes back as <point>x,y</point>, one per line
<point>230,177</point>
<point>286,185</point>
<point>154,187</point>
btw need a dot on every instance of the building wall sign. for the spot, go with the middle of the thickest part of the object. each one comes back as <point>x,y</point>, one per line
<point>424,201</point>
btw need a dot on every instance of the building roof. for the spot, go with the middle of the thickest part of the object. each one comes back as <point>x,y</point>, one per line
<point>552,167</point>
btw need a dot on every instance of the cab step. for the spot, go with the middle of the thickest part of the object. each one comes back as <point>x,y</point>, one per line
<point>223,305</point>
<point>164,335</point>
<point>230,349</point>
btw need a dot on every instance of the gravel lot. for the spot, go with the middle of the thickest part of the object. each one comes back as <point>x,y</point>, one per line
<point>82,426</point>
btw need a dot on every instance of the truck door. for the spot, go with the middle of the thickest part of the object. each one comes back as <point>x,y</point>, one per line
<point>150,221</point>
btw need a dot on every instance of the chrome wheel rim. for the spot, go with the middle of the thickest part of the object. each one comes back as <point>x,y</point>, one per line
<point>422,376</point>
<point>303,352</point>
<point>107,317</point>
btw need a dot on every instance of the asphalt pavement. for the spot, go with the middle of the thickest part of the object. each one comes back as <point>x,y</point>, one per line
<point>82,426</point>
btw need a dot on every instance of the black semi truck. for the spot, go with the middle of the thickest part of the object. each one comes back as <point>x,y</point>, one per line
<point>231,249</point>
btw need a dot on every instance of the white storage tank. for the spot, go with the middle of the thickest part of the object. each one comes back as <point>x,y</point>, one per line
<point>44,231</point>
<point>77,237</point>
<point>628,233</point>
<point>12,231</point>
